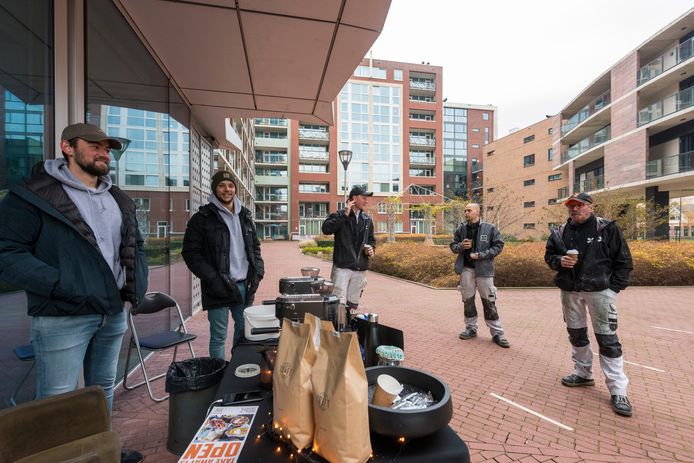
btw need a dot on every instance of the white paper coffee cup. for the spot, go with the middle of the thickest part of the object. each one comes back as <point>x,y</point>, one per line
<point>387,389</point>
<point>573,254</point>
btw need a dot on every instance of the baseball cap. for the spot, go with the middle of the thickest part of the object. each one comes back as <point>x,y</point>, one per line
<point>359,191</point>
<point>91,133</point>
<point>579,198</point>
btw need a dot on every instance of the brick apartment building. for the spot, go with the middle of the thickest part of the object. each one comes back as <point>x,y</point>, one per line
<point>631,129</point>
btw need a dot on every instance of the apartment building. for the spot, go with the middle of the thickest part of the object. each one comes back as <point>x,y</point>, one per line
<point>272,178</point>
<point>521,187</point>
<point>632,128</point>
<point>466,129</point>
<point>389,115</point>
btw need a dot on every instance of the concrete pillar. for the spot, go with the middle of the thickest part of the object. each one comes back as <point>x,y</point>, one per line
<point>661,200</point>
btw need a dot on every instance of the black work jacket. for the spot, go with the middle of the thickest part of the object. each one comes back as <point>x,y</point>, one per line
<point>206,253</point>
<point>606,264</point>
<point>350,237</point>
<point>47,249</point>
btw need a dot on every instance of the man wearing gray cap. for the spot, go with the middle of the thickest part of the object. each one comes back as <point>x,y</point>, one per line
<point>69,238</point>
<point>354,245</point>
<point>593,262</point>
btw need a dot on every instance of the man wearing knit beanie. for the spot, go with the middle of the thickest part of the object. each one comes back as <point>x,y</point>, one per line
<point>221,248</point>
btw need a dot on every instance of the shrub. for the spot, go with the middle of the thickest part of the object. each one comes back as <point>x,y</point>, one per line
<point>318,251</point>
<point>307,243</point>
<point>522,264</point>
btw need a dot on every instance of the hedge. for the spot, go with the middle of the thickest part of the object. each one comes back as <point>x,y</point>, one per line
<point>522,264</point>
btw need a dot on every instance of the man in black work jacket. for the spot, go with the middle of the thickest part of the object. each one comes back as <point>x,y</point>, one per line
<point>589,284</point>
<point>354,245</point>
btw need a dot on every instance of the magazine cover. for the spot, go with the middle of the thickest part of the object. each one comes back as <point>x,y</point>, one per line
<point>221,436</point>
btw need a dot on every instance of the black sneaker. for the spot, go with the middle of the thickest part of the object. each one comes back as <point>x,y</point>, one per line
<point>576,381</point>
<point>501,341</point>
<point>130,456</point>
<point>621,405</point>
<point>468,333</point>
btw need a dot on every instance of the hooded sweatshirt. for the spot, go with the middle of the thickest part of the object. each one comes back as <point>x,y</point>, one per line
<point>98,209</point>
<point>238,261</point>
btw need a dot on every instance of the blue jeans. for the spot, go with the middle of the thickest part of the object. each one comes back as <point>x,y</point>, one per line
<point>66,345</point>
<point>219,321</point>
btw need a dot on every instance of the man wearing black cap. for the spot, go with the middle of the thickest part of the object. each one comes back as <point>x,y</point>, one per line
<point>354,245</point>
<point>593,263</point>
<point>220,246</point>
<point>69,238</point>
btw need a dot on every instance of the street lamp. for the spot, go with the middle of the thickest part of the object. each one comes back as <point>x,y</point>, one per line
<point>345,159</point>
<point>117,154</point>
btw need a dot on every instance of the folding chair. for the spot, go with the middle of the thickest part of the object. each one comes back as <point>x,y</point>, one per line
<point>153,303</point>
<point>24,353</point>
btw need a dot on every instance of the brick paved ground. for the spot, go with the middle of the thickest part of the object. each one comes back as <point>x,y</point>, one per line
<point>661,372</point>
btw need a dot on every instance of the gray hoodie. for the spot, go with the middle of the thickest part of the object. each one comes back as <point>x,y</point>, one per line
<point>238,261</point>
<point>98,209</point>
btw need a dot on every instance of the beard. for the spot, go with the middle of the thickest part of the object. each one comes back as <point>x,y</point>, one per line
<point>92,167</point>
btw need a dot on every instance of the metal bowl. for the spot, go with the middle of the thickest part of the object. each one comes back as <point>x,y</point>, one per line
<point>410,423</point>
<point>310,271</point>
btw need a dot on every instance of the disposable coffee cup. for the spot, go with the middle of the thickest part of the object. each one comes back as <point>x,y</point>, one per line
<point>387,389</point>
<point>573,254</point>
<point>367,249</point>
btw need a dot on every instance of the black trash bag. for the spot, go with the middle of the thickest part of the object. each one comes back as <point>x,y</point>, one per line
<point>194,374</point>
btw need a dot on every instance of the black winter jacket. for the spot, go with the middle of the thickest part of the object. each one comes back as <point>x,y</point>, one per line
<point>47,249</point>
<point>606,264</point>
<point>349,239</point>
<point>206,253</point>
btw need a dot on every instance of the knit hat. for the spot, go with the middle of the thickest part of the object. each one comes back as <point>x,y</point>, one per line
<point>220,177</point>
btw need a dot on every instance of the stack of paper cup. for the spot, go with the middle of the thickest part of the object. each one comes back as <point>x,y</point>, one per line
<point>387,389</point>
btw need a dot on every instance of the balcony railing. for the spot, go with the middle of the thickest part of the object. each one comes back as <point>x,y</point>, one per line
<point>422,141</point>
<point>667,60</point>
<point>272,216</point>
<point>423,85</point>
<point>598,138</point>
<point>271,197</point>
<point>423,160</point>
<point>314,155</point>
<point>590,109</point>
<point>669,105</point>
<point>271,121</point>
<point>594,183</point>
<point>272,159</point>
<point>477,184</point>
<point>313,134</point>
<point>683,162</point>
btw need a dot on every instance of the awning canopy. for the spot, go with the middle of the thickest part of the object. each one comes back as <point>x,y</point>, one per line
<point>258,58</point>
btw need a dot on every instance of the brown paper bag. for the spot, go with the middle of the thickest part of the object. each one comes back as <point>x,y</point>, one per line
<point>291,384</point>
<point>317,325</point>
<point>341,400</point>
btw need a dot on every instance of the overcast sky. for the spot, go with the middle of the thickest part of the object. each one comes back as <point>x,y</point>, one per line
<point>529,58</point>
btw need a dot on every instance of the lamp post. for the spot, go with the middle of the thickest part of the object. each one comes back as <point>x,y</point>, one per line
<point>345,159</point>
<point>118,154</point>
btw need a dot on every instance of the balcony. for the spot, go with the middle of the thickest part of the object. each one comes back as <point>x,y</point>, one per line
<point>313,134</point>
<point>594,183</point>
<point>587,112</point>
<point>314,156</point>
<point>666,61</point>
<point>271,198</point>
<point>423,85</point>
<point>422,160</point>
<point>273,122</point>
<point>422,141</point>
<point>669,105</point>
<point>683,162</point>
<point>588,143</point>
<point>272,216</point>
<point>280,159</point>
<point>477,185</point>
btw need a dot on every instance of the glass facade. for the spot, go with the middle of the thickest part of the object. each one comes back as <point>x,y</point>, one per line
<point>455,153</point>
<point>26,137</point>
<point>370,124</point>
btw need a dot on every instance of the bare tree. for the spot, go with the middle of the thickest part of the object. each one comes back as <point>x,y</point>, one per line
<point>637,216</point>
<point>503,207</point>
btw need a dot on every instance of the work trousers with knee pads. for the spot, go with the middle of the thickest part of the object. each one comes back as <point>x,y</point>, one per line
<point>576,305</point>
<point>470,283</point>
